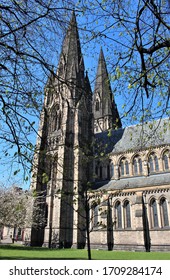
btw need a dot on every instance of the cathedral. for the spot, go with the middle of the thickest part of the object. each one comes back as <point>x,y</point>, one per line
<point>85,157</point>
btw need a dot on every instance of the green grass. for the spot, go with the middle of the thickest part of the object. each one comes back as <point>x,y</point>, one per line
<point>14,252</point>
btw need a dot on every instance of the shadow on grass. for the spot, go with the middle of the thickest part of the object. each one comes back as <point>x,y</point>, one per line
<point>19,258</point>
<point>24,248</point>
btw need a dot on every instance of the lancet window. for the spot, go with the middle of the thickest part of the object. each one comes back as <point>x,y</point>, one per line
<point>127,216</point>
<point>166,160</point>
<point>137,166</point>
<point>118,215</point>
<point>154,213</point>
<point>124,167</point>
<point>164,212</point>
<point>153,163</point>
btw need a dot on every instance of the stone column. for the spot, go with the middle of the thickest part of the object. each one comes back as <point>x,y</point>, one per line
<point>139,221</point>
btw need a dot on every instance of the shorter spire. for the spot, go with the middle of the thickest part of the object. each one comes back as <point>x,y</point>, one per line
<point>104,109</point>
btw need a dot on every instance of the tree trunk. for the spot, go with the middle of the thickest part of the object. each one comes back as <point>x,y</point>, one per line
<point>87,227</point>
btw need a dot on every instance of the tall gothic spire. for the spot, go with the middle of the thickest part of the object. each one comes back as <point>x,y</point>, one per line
<point>104,107</point>
<point>71,64</point>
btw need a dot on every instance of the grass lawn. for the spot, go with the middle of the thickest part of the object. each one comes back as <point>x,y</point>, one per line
<point>15,252</point>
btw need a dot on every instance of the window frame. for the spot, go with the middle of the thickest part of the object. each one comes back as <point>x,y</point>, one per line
<point>164,212</point>
<point>154,213</point>
<point>127,214</point>
<point>118,214</point>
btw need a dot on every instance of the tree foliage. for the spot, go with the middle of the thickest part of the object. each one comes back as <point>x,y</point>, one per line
<point>19,208</point>
<point>29,33</point>
<point>136,37</point>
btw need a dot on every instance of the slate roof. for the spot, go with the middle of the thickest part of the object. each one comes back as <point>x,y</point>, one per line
<point>136,182</point>
<point>136,137</point>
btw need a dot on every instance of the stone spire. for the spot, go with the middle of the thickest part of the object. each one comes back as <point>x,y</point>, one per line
<point>71,64</point>
<point>104,107</point>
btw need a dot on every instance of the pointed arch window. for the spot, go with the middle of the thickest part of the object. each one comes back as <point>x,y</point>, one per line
<point>118,216</point>
<point>127,167</point>
<point>151,168</point>
<point>153,163</point>
<point>135,166</point>
<point>156,163</point>
<point>127,216</point>
<point>55,118</point>
<point>154,214</point>
<point>166,160</point>
<point>97,106</point>
<point>140,166</point>
<point>124,167</point>
<point>164,212</point>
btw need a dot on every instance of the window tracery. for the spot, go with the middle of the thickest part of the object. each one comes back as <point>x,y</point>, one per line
<point>137,165</point>
<point>124,167</point>
<point>153,163</point>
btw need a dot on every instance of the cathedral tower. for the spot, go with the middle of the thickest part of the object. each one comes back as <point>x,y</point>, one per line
<point>63,170</point>
<point>105,111</point>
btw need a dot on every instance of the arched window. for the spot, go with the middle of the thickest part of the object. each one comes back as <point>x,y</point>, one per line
<point>122,172</point>
<point>164,212</point>
<point>151,168</point>
<point>55,118</point>
<point>135,166</point>
<point>97,105</point>
<point>127,167</point>
<point>124,167</point>
<point>154,214</point>
<point>59,121</point>
<point>156,163</point>
<point>153,163</point>
<point>166,160</point>
<point>111,170</point>
<point>118,216</point>
<point>140,166</point>
<point>127,217</point>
